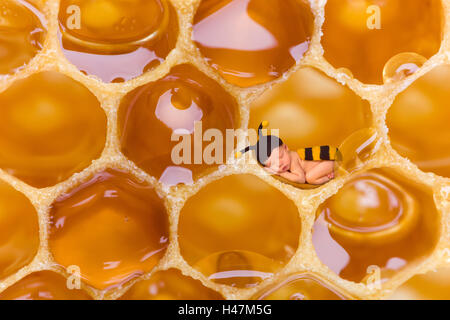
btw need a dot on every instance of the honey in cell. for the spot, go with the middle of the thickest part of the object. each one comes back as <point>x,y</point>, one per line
<point>22,32</point>
<point>238,230</point>
<point>112,227</point>
<point>250,42</point>
<point>54,130</point>
<point>117,40</point>
<point>43,285</point>
<point>418,122</point>
<point>151,115</point>
<point>170,285</point>
<point>238,268</point>
<point>311,109</point>
<point>301,286</point>
<point>19,230</point>
<point>433,285</point>
<point>363,35</point>
<point>380,219</point>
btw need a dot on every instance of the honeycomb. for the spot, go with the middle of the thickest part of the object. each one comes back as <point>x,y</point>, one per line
<point>92,208</point>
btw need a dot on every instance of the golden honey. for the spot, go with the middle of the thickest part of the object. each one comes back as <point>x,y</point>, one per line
<point>433,285</point>
<point>234,230</point>
<point>117,40</point>
<point>92,84</point>
<point>112,227</point>
<point>301,287</point>
<point>363,35</point>
<point>250,42</point>
<point>151,115</point>
<point>372,221</point>
<point>418,122</point>
<point>54,130</point>
<point>43,285</point>
<point>22,32</point>
<point>170,284</point>
<point>19,230</point>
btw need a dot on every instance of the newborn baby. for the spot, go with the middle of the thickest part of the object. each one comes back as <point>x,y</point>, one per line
<point>310,165</point>
<point>289,165</point>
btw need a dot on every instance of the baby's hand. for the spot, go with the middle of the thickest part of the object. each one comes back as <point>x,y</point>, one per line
<point>331,175</point>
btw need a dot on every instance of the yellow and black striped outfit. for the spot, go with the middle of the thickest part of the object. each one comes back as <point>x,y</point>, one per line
<point>319,153</point>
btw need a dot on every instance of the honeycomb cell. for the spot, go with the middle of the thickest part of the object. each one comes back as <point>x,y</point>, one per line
<point>363,35</point>
<point>238,230</point>
<point>155,119</point>
<point>22,34</point>
<point>54,130</point>
<point>170,285</point>
<point>238,268</point>
<point>117,40</point>
<point>251,42</point>
<point>418,122</point>
<point>43,285</point>
<point>112,227</point>
<point>377,219</point>
<point>434,285</point>
<point>19,230</point>
<point>301,286</point>
<point>311,109</point>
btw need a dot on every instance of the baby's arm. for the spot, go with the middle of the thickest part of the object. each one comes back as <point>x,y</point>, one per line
<point>294,177</point>
<point>296,173</point>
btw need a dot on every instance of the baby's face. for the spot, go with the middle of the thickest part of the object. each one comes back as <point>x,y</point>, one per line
<point>280,160</point>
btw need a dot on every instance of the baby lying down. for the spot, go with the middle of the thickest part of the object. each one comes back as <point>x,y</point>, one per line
<point>310,165</point>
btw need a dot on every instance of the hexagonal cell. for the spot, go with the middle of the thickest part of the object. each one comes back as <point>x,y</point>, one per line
<point>363,35</point>
<point>112,227</point>
<point>157,118</point>
<point>170,285</point>
<point>434,285</point>
<point>43,285</point>
<point>277,35</point>
<point>238,230</point>
<point>302,286</point>
<point>22,34</point>
<point>54,130</point>
<point>19,230</point>
<point>311,109</point>
<point>117,40</point>
<point>377,219</point>
<point>418,122</point>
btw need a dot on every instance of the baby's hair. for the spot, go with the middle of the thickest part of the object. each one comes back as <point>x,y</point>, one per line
<point>264,146</point>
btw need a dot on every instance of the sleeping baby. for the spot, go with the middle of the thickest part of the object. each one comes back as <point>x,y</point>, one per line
<point>314,165</point>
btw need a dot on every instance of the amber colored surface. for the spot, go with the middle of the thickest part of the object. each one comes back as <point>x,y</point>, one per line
<point>55,129</point>
<point>311,109</point>
<point>238,268</point>
<point>113,227</point>
<point>405,26</point>
<point>43,285</point>
<point>301,287</point>
<point>235,214</point>
<point>170,285</point>
<point>252,41</point>
<point>418,122</point>
<point>377,218</point>
<point>429,286</point>
<point>149,115</point>
<point>19,230</point>
<point>118,39</point>
<point>22,34</point>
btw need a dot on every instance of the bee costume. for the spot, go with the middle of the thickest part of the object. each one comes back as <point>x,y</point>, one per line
<point>266,144</point>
